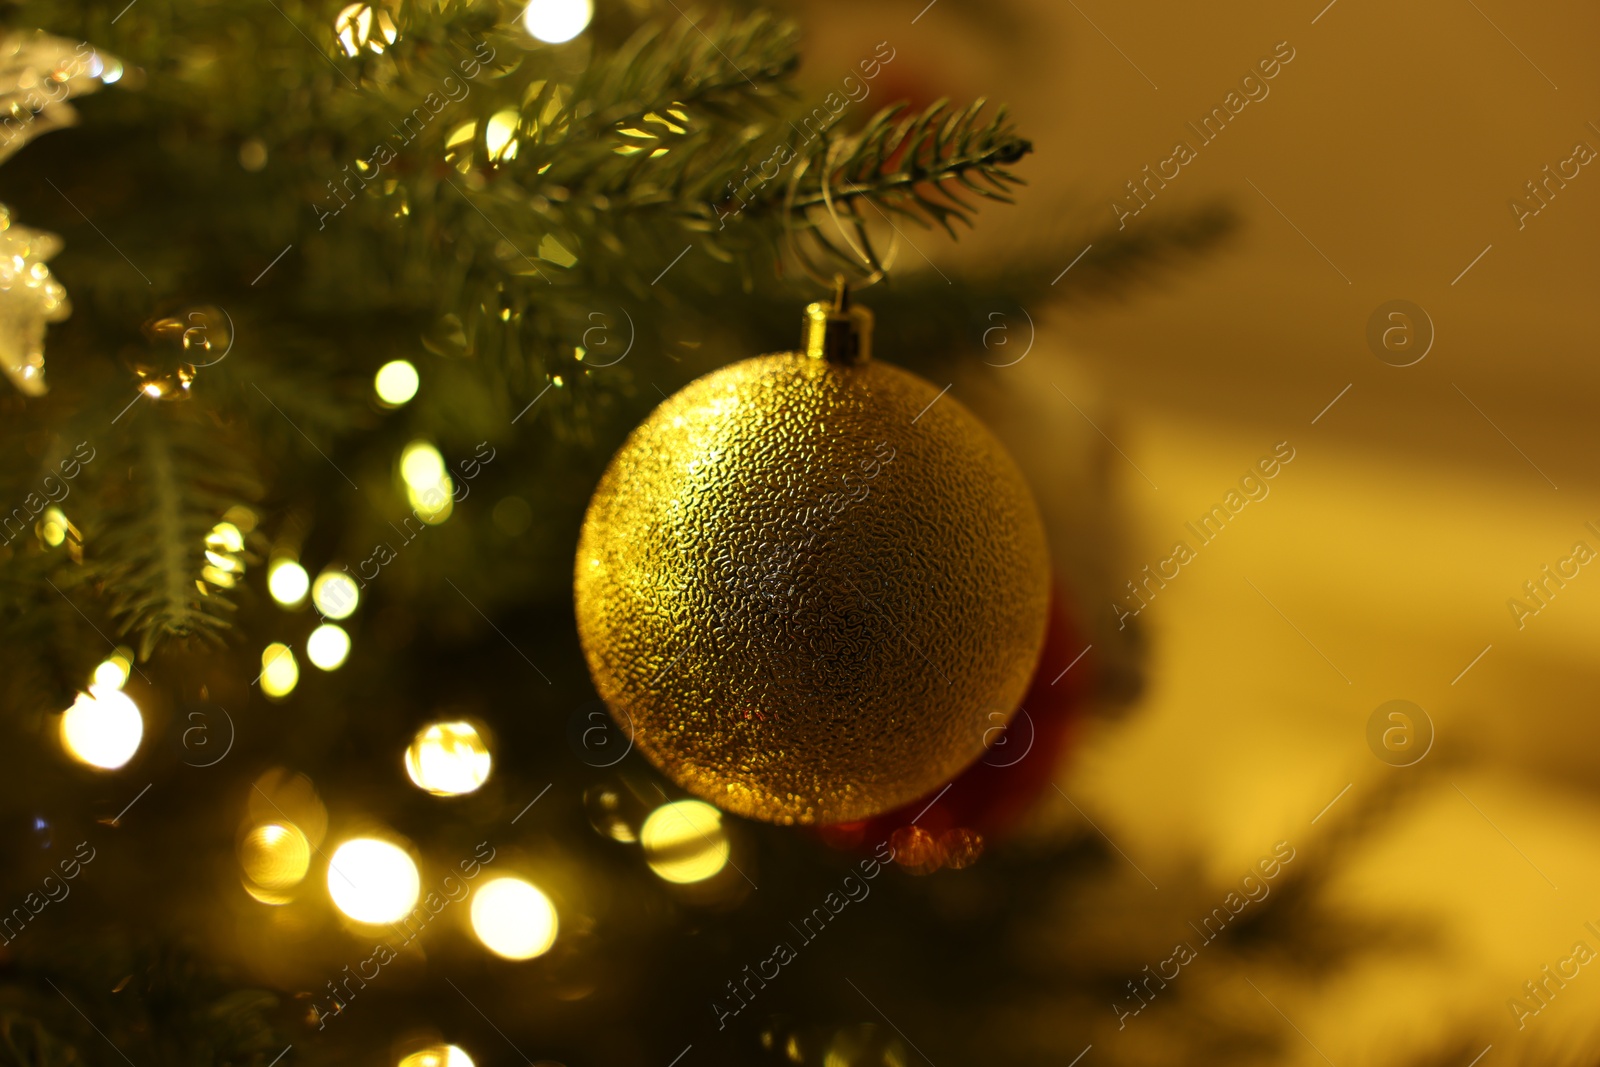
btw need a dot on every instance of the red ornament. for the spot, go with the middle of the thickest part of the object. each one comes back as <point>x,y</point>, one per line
<point>1005,782</point>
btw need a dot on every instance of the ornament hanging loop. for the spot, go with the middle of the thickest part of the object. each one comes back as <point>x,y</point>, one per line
<point>838,330</point>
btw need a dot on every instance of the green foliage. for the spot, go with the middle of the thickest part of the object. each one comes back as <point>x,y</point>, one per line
<point>458,197</point>
<point>180,477</point>
<point>163,1008</point>
<point>916,166</point>
<point>348,210</point>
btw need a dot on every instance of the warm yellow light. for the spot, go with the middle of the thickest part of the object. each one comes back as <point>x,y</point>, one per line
<point>225,537</point>
<point>556,21</point>
<point>421,465</point>
<point>428,484</point>
<point>373,881</point>
<point>500,134</point>
<point>54,528</point>
<point>327,647</point>
<point>279,671</point>
<point>685,841</point>
<point>275,897</point>
<point>396,382</point>
<point>438,1056</point>
<point>448,758</point>
<point>275,856</point>
<point>433,505</point>
<point>225,562</point>
<point>287,581</point>
<point>113,673</point>
<point>513,918</point>
<point>335,594</point>
<point>224,552</point>
<point>103,728</point>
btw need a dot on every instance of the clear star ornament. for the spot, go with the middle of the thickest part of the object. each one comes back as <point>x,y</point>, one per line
<point>30,298</point>
<point>38,74</point>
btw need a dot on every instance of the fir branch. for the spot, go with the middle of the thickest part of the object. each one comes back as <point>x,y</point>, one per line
<point>672,84</point>
<point>149,544</point>
<point>726,64</point>
<point>899,152</point>
<point>920,166</point>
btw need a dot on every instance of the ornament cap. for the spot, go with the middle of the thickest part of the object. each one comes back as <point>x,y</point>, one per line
<point>837,330</point>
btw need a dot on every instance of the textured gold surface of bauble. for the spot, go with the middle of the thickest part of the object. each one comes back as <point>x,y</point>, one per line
<point>812,592</point>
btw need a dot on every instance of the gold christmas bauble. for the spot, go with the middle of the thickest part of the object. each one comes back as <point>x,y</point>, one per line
<point>811,585</point>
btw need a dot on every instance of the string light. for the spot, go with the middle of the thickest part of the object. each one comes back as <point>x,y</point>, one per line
<point>52,527</point>
<point>557,21</point>
<point>279,671</point>
<point>225,537</point>
<point>428,484</point>
<point>396,382</point>
<point>335,594</point>
<point>684,841</point>
<point>327,647</point>
<point>113,673</point>
<point>438,1056</point>
<point>287,581</point>
<point>448,758</point>
<point>224,556</point>
<point>513,918</point>
<point>275,856</point>
<point>421,465</point>
<point>103,728</point>
<point>373,881</point>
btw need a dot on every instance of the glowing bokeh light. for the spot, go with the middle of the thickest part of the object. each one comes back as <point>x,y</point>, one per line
<point>275,856</point>
<point>113,673</point>
<point>421,465</point>
<point>103,728</point>
<point>684,841</point>
<point>557,21</point>
<point>427,481</point>
<point>225,537</point>
<point>513,918</point>
<point>433,506</point>
<point>500,134</point>
<point>53,527</point>
<point>448,758</point>
<point>438,1056</point>
<point>224,556</point>
<point>275,897</point>
<point>396,382</point>
<point>287,581</point>
<point>335,594</point>
<point>327,647</point>
<point>373,881</point>
<point>279,671</point>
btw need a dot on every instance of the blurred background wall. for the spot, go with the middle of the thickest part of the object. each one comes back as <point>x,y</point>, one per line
<point>1380,165</point>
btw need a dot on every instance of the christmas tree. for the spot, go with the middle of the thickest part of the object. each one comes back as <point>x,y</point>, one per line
<point>320,325</point>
